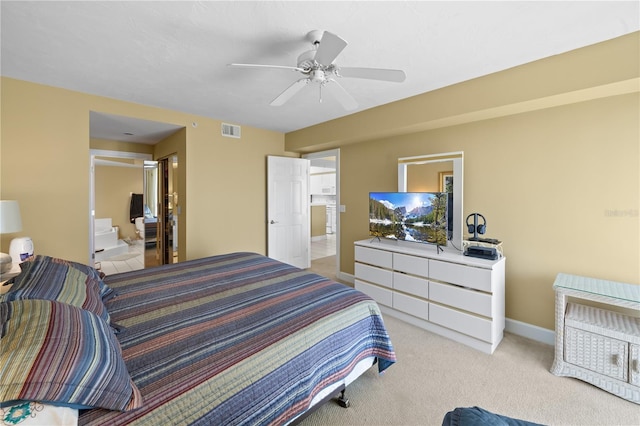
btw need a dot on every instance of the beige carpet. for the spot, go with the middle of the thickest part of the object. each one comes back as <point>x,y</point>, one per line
<point>325,266</point>
<point>434,375</point>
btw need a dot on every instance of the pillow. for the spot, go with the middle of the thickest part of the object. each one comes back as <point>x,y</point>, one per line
<point>61,355</point>
<point>36,414</point>
<point>106,292</point>
<point>45,278</point>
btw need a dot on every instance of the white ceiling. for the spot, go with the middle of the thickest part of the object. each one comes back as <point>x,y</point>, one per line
<point>174,55</point>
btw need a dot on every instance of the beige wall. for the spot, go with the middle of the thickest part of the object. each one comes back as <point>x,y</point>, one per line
<point>551,159</point>
<point>318,221</point>
<point>44,159</point>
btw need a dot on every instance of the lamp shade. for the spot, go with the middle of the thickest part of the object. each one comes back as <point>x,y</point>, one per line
<point>10,217</point>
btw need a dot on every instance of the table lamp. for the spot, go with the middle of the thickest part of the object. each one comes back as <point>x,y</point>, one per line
<point>10,222</point>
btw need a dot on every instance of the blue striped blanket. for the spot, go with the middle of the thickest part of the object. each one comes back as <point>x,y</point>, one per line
<point>237,339</point>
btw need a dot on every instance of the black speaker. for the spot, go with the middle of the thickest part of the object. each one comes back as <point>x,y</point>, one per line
<point>476,228</point>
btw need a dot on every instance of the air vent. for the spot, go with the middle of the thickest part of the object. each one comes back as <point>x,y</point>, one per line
<point>230,131</point>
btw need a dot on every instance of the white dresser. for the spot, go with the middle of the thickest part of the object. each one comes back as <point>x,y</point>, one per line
<point>456,296</point>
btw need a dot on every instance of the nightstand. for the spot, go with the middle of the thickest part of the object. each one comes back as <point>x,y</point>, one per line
<point>598,345</point>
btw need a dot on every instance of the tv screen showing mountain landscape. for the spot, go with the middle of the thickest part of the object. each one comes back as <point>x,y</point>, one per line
<point>409,216</point>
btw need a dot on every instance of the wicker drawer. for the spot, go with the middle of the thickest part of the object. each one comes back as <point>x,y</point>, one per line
<point>597,353</point>
<point>379,294</point>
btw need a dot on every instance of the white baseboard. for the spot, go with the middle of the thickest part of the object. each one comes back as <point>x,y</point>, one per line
<point>348,278</point>
<point>530,331</point>
<point>520,328</point>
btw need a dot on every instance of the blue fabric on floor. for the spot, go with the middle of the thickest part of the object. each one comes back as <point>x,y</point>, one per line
<point>476,416</point>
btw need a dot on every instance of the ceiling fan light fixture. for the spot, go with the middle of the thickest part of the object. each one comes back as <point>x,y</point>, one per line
<point>317,76</point>
<point>317,66</point>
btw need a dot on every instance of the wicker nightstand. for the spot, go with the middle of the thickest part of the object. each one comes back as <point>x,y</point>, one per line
<point>597,345</point>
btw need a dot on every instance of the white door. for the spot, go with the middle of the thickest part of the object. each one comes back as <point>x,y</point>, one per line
<point>288,219</point>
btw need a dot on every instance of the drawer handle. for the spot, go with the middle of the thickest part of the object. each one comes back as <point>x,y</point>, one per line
<point>617,360</point>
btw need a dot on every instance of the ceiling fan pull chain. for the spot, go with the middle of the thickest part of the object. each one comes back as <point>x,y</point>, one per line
<point>321,84</point>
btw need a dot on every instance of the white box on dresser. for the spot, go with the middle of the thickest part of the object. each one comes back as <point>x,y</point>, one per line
<point>456,296</point>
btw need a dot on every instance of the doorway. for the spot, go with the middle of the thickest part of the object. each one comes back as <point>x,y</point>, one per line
<point>324,199</point>
<point>150,238</point>
<point>130,142</point>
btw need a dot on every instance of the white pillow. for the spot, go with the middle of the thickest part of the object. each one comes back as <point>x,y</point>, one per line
<point>35,413</point>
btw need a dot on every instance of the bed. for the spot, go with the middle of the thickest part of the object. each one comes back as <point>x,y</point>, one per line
<point>231,339</point>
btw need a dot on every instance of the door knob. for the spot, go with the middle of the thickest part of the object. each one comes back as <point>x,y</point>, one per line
<point>273,222</point>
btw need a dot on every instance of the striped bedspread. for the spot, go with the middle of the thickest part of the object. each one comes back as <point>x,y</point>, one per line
<point>237,339</point>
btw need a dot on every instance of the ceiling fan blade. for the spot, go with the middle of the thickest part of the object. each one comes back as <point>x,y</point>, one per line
<point>330,47</point>
<point>266,66</point>
<point>289,92</point>
<point>339,92</point>
<point>397,76</point>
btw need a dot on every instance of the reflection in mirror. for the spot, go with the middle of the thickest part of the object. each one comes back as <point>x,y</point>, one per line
<point>114,177</point>
<point>161,210</point>
<point>430,177</point>
<point>150,221</point>
<point>171,227</point>
<point>437,173</point>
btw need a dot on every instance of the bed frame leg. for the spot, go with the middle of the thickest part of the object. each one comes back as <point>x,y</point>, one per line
<point>342,400</point>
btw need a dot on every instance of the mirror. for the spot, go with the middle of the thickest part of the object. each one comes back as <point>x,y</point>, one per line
<point>437,173</point>
<point>149,231</point>
<point>111,192</point>
<point>161,211</point>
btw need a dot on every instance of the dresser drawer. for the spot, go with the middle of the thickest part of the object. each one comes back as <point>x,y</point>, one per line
<point>411,264</point>
<point>467,276</point>
<point>375,257</point>
<point>461,298</point>
<point>411,305</point>
<point>410,284</point>
<point>379,294</point>
<point>597,353</point>
<point>374,275</point>
<point>474,326</point>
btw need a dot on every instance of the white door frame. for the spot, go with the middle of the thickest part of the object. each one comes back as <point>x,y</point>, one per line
<point>339,207</point>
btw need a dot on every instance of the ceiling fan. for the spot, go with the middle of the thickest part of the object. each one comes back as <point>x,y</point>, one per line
<point>318,67</point>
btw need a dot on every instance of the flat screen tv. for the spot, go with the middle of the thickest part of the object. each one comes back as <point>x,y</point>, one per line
<point>409,216</point>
